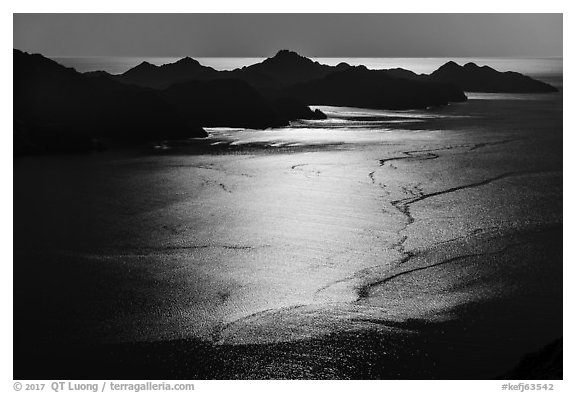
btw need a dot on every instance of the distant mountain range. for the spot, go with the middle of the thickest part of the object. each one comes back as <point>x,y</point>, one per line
<point>57,108</point>
<point>288,68</point>
<point>284,69</point>
<point>472,77</point>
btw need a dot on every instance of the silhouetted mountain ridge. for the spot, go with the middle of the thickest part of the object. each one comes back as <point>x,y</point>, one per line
<point>173,100</point>
<point>284,77</point>
<point>474,78</point>
<point>57,108</point>
<point>361,87</point>
<point>150,75</point>
<point>284,69</point>
<point>287,68</point>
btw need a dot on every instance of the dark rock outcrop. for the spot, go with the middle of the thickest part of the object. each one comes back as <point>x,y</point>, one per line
<point>234,103</point>
<point>57,106</point>
<point>150,75</point>
<point>404,74</point>
<point>360,87</point>
<point>293,109</point>
<point>223,103</point>
<point>474,78</point>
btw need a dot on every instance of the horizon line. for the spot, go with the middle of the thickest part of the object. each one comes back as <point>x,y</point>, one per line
<point>310,57</point>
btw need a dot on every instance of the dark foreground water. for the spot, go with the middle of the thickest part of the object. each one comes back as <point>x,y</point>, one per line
<point>374,244</point>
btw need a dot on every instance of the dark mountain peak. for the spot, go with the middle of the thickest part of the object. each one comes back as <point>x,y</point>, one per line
<point>403,74</point>
<point>149,75</point>
<point>287,54</point>
<point>356,74</point>
<point>352,71</point>
<point>449,66</point>
<point>24,61</point>
<point>29,57</point>
<point>474,66</point>
<point>472,77</point>
<point>289,58</point>
<point>288,67</point>
<point>187,61</point>
<point>144,66</point>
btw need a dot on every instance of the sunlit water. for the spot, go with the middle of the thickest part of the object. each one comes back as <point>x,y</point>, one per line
<point>274,238</point>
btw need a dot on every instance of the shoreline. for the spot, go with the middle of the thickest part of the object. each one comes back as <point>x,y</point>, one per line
<point>399,256</point>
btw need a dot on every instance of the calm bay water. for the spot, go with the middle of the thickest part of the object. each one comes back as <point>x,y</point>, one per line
<point>287,225</point>
<point>358,224</point>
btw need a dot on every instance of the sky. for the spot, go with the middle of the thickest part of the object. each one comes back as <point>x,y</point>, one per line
<point>312,35</point>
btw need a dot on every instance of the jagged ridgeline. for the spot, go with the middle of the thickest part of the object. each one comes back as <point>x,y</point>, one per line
<point>472,77</point>
<point>290,81</point>
<point>57,108</point>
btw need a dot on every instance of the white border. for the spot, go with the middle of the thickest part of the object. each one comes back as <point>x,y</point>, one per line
<point>321,6</point>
